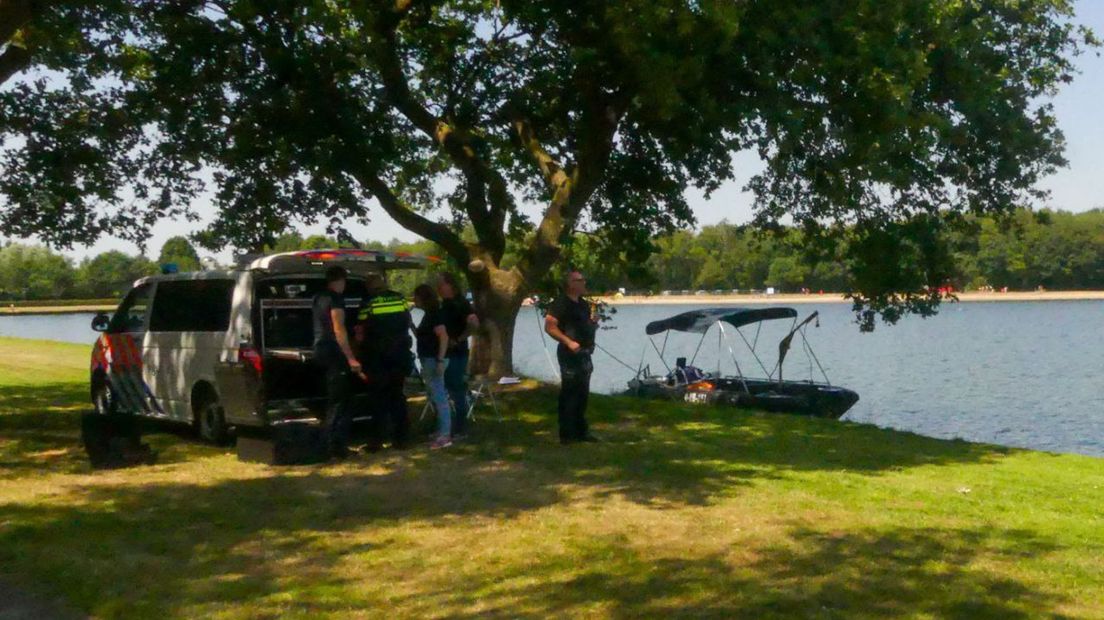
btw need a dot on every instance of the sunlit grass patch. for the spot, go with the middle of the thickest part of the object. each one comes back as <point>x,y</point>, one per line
<point>682,512</point>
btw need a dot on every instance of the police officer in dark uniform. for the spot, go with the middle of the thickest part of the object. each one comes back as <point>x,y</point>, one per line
<point>572,323</point>
<point>333,352</point>
<point>383,334</point>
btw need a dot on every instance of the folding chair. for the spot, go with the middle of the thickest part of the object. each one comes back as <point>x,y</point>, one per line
<point>476,391</point>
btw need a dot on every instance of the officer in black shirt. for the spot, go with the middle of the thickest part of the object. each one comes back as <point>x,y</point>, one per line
<point>333,352</point>
<point>383,335</point>
<point>571,322</point>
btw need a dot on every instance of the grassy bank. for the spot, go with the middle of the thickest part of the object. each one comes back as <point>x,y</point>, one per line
<point>683,512</point>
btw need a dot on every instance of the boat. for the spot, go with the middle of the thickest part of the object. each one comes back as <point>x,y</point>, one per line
<point>773,393</point>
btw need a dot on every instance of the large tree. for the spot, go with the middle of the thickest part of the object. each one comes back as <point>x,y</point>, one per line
<point>523,120</point>
<point>111,274</point>
<point>179,251</point>
<point>34,272</point>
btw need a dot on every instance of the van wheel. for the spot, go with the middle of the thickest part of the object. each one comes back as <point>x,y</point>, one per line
<point>103,402</point>
<point>210,422</point>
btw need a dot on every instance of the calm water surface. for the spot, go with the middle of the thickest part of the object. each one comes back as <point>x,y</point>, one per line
<point>1013,373</point>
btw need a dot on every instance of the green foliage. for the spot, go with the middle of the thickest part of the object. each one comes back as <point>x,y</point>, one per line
<point>34,272</point>
<point>880,123</point>
<point>1049,249</point>
<point>179,250</point>
<point>112,273</point>
<point>404,280</point>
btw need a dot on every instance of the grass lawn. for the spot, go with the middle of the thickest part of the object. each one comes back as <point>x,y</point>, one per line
<point>685,511</point>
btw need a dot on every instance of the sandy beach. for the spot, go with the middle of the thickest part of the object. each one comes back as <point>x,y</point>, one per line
<point>815,298</point>
<point>14,310</point>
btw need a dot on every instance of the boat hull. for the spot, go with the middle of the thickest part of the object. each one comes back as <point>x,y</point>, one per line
<point>796,397</point>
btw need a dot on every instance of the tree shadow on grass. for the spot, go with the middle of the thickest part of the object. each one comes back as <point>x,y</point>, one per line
<point>163,548</point>
<point>39,429</point>
<point>903,572</point>
<point>267,545</point>
<point>40,432</point>
<point>658,452</point>
<point>154,549</point>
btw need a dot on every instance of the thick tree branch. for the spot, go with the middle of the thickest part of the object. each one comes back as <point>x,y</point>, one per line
<point>486,212</point>
<point>407,217</point>
<point>571,190</point>
<point>14,15</point>
<point>12,61</point>
<point>551,170</point>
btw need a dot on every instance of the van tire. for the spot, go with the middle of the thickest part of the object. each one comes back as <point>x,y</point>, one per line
<point>210,422</point>
<point>103,401</point>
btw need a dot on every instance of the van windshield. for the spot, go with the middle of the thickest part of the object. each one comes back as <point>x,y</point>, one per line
<point>130,318</point>
<point>285,309</point>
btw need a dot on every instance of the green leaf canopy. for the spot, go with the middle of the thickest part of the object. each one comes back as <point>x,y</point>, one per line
<point>879,122</point>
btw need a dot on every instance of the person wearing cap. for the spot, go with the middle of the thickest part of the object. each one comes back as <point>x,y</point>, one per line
<point>384,343</point>
<point>332,350</point>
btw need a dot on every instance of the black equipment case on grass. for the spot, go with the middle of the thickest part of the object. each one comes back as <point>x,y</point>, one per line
<point>292,443</point>
<point>114,441</point>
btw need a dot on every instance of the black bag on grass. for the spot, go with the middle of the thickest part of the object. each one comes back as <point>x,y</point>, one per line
<point>283,444</point>
<point>114,441</point>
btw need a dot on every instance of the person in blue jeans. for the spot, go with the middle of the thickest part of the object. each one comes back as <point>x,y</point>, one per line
<point>460,322</point>
<point>432,345</point>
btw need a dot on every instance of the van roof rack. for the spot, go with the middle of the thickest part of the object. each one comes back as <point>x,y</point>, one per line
<point>346,257</point>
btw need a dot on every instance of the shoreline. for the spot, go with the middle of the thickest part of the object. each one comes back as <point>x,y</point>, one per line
<point>829,298</point>
<point>20,311</point>
<point>683,300</point>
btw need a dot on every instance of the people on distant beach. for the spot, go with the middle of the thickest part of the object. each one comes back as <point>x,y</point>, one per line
<point>572,322</point>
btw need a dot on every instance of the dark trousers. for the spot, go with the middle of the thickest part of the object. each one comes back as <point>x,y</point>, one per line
<point>390,407</point>
<point>456,382</point>
<point>339,391</point>
<point>575,371</point>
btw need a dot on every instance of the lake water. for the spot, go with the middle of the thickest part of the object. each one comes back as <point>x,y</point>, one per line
<point>1013,373</point>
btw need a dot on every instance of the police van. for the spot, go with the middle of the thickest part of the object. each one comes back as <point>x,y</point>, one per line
<point>224,349</point>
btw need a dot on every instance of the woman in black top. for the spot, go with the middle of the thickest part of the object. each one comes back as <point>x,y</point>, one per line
<point>432,345</point>
<point>461,322</point>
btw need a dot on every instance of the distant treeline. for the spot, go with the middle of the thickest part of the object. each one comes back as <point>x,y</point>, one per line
<point>1052,249</point>
<point>32,272</point>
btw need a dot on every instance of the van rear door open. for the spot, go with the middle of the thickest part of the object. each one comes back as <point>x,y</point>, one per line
<point>286,337</point>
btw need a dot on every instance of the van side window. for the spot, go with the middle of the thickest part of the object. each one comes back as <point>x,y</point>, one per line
<point>131,315</point>
<point>192,306</point>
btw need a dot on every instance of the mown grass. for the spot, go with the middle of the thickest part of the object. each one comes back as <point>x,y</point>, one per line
<point>684,512</point>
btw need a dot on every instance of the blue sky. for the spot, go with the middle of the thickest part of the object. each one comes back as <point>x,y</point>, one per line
<point>1078,106</point>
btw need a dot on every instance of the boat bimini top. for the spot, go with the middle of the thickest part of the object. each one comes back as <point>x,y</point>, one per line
<point>700,322</point>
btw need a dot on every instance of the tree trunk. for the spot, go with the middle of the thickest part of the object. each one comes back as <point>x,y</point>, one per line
<point>497,294</point>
